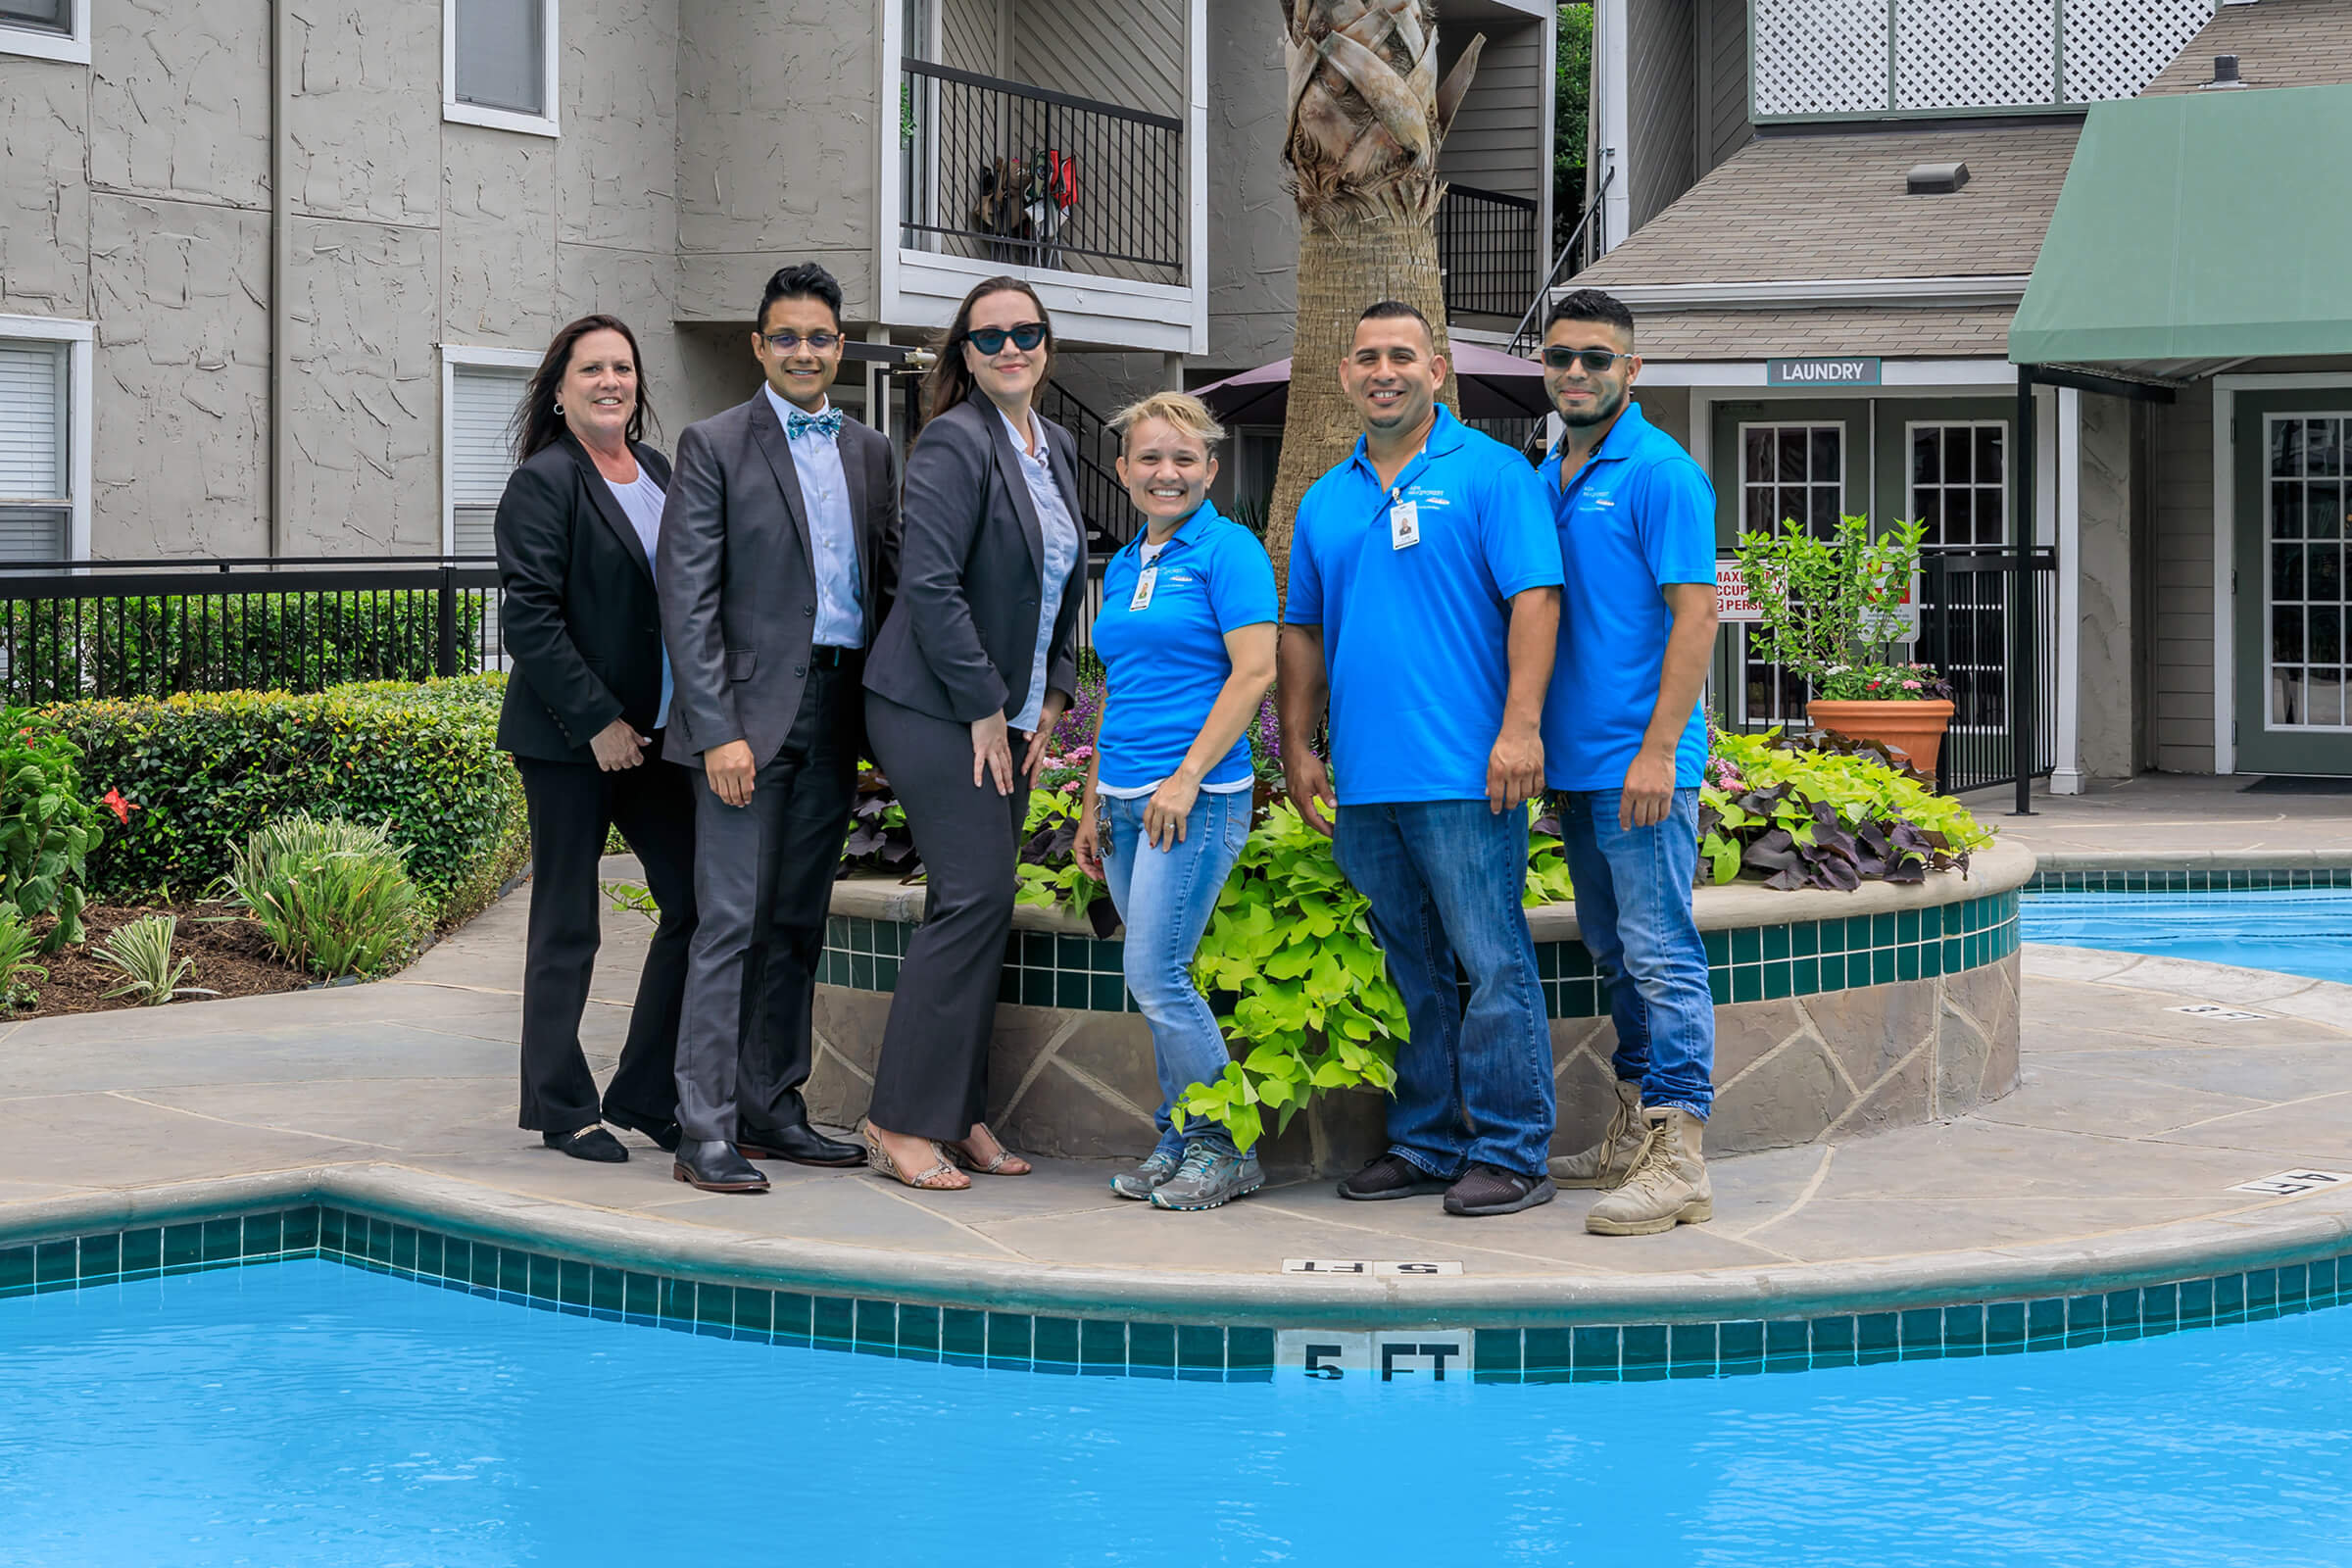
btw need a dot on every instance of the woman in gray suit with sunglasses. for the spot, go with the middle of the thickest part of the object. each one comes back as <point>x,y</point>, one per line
<point>975,664</point>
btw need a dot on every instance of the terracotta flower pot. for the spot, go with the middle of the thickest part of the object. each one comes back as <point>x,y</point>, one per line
<point>1914,730</point>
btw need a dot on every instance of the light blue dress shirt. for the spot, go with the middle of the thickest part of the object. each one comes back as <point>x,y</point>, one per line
<point>641,502</point>
<point>832,533</point>
<point>1062,553</point>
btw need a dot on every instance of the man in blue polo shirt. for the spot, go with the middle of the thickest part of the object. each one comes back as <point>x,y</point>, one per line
<point>1424,601</point>
<point>1624,750</point>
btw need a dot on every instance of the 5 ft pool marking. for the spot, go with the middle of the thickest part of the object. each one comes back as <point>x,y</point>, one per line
<point>2294,1183</point>
<point>2219,1014</point>
<point>1357,1268</point>
<point>1389,1355</point>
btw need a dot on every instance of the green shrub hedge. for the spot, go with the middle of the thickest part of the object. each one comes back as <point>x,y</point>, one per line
<point>155,646</point>
<point>205,769</point>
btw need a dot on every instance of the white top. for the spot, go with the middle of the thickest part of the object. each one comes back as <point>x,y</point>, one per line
<point>641,500</point>
<point>1063,542</point>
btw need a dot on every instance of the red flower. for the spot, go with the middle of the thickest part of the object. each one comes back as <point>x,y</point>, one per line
<point>121,807</point>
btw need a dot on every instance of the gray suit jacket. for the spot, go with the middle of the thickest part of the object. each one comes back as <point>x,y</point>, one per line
<point>738,589</point>
<point>961,634</point>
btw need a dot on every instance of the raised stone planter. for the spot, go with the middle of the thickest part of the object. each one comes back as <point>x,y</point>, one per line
<point>1835,1013</point>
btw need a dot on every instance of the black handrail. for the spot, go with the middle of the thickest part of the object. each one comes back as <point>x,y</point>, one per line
<point>1530,331</point>
<point>1486,249</point>
<point>1110,514</point>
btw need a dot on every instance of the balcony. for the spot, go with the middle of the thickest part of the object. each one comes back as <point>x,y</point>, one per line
<point>1487,248</point>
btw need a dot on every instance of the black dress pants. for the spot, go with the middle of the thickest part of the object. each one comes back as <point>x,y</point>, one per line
<point>932,1080</point>
<point>571,806</point>
<point>763,881</point>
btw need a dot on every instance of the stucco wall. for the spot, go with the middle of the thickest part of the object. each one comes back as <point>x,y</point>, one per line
<point>1252,219</point>
<point>2103,567</point>
<point>2183,742</point>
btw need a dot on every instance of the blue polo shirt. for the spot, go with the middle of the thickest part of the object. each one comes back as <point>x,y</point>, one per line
<point>1165,663</point>
<point>1417,640</point>
<point>1637,516</point>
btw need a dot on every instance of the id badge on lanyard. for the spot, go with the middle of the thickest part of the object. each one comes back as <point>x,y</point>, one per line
<point>1404,524</point>
<point>1144,583</point>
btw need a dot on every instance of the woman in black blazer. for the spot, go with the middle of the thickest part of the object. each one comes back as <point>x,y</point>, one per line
<point>586,699</point>
<point>978,657</point>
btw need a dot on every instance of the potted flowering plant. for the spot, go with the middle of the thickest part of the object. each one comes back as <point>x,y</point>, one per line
<point>1824,602</point>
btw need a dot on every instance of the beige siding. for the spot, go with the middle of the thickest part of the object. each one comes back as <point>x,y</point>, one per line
<point>1127,52</point>
<point>1660,109</point>
<point>1722,46</point>
<point>1497,141</point>
<point>970,34</point>
<point>2183,741</point>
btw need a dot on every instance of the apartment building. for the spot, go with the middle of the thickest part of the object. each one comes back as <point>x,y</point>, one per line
<point>270,277</point>
<point>1858,232</point>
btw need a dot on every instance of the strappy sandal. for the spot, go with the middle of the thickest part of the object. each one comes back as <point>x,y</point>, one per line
<point>940,1178</point>
<point>960,1152</point>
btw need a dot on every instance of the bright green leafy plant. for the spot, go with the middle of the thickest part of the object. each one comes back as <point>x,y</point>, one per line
<point>48,828</point>
<point>17,971</point>
<point>141,952</point>
<point>1822,599</point>
<point>1803,818</point>
<point>331,895</point>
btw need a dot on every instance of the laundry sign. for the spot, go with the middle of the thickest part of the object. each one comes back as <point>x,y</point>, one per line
<point>1852,369</point>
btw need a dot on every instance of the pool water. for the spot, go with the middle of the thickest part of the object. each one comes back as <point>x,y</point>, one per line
<point>310,1413</point>
<point>2298,932</point>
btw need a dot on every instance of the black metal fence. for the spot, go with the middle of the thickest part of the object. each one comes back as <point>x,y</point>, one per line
<point>1487,248</point>
<point>1989,621</point>
<point>1110,516</point>
<point>1007,172</point>
<point>148,628</point>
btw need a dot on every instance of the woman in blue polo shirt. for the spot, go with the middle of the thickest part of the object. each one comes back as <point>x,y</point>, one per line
<point>1187,642</point>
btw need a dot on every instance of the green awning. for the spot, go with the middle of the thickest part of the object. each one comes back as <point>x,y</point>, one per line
<point>2203,226</point>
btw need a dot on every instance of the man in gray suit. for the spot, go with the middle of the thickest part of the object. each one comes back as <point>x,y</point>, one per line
<point>778,555</point>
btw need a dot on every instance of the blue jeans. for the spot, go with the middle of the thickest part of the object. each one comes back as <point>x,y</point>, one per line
<point>1473,1087</point>
<point>1633,902</point>
<point>1165,897</point>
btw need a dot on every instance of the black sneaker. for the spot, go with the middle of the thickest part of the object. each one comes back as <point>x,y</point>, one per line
<point>1491,1190</point>
<point>1390,1176</point>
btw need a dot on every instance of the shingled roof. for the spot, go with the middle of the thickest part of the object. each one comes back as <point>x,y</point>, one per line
<point>2278,43</point>
<point>1968,331</point>
<point>1832,204</point>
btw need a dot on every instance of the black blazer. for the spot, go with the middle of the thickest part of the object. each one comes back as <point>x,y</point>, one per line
<point>580,621</point>
<point>739,581</point>
<point>962,635</point>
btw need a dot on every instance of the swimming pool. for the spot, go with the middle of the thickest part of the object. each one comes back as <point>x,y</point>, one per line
<point>2299,931</point>
<point>308,1412</point>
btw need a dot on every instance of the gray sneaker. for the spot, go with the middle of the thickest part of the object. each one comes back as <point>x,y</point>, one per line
<point>1146,1179</point>
<point>1207,1178</point>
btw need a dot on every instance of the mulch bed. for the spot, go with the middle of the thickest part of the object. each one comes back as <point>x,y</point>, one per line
<point>232,957</point>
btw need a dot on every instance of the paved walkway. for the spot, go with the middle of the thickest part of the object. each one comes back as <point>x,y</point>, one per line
<point>2117,1155</point>
<point>2178,820</point>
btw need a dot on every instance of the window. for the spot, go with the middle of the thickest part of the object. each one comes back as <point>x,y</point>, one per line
<point>2305,594</point>
<point>48,30</point>
<point>481,393</point>
<point>1960,490</point>
<point>499,64</point>
<point>44,440</point>
<point>1790,475</point>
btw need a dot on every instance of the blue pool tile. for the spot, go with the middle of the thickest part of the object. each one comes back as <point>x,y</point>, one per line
<point>791,1317</point>
<point>2122,1314</point>
<point>2045,1320</point>
<point>483,1275</point>
<point>962,1334</point>
<point>2294,1285</point>
<point>2085,1319</point>
<point>1056,1341</point>
<point>678,1296</point>
<point>877,1324</point>
<point>431,1250</point>
<point>223,1241</point>
<point>1963,1331</point>
<point>538,1274</point>
<point>1877,1338</point>
<point>1152,1347</point>
<point>1787,1344</point>
<point>603,1292</point>
<point>832,1319</point>
<point>302,1229</point>
<point>1548,1354</point>
<point>1248,1349</point>
<point>1690,1349</point>
<point>1642,1352</point>
<point>1200,1351</point>
<point>403,1253</point>
<point>1594,1353</point>
<point>143,1249</point>
<point>2322,1281</point>
<point>1922,1331</point>
<point>715,1311</point>
<point>2159,1309</point>
<point>641,1294</point>
<point>2261,1294</point>
<point>1102,1345</point>
<point>2229,1298</point>
<point>264,1235</point>
<point>1496,1355</point>
<point>2196,1302</point>
<point>56,1265</point>
<point>100,1257</point>
<point>919,1332</point>
<point>183,1247</point>
<point>1834,1341</point>
<point>1010,1337</point>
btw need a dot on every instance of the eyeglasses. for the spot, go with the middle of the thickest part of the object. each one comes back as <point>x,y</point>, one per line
<point>818,342</point>
<point>1597,361</point>
<point>990,339</point>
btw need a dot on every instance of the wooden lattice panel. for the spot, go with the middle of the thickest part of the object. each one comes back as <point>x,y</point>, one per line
<point>2116,47</point>
<point>1951,53</point>
<point>1820,56</point>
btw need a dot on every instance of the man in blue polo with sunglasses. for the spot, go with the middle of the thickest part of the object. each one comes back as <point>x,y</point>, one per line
<point>1624,750</point>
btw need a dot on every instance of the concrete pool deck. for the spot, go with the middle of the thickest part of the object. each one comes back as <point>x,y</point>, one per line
<point>2175,821</point>
<point>2113,1164</point>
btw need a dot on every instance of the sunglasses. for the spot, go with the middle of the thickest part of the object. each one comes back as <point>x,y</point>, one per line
<point>990,339</point>
<point>1597,361</point>
<point>819,342</point>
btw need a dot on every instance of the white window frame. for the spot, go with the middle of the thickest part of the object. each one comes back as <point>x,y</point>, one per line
<point>453,356</point>
<point>465,113</point>
<point>80,339</point>
<point>1740,431</point>
<point>2007,540</point>
<point>2269,666</point>
<point>72,47</point>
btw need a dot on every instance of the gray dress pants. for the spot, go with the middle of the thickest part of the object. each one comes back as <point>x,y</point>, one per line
<point>932,1080</point>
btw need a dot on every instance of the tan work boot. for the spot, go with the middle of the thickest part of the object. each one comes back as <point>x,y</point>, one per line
<point>1669,1185</point>
<point>1611,1161</point>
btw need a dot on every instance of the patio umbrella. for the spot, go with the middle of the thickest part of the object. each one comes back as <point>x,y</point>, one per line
<point>1494,385</point>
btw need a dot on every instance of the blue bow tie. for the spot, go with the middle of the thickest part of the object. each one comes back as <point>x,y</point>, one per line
<point>827,423</point>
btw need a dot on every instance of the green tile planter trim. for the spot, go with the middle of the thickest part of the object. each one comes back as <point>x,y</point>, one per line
<point>1114,1347</point>
<point>2217,880</point>
<point>1748,963</point>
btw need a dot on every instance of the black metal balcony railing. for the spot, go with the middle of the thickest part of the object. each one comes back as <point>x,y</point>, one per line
<point>1007,173</point>
<point>1110,516</point>
<point>1487,246</point>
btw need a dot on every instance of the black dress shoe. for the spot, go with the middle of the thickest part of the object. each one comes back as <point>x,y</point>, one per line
<point>716,1167</point>
<point>803,1146</point>
<point>591,1142</point>
<point>664,1134</point>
